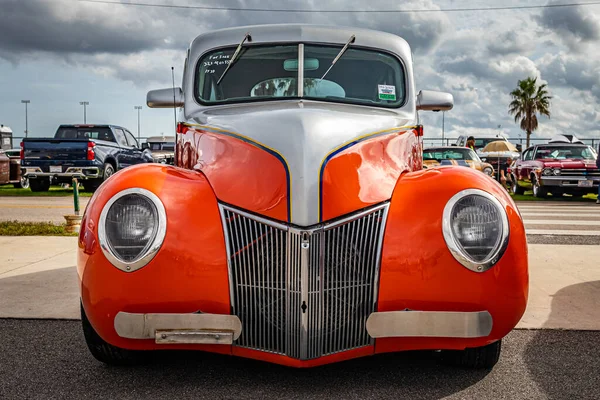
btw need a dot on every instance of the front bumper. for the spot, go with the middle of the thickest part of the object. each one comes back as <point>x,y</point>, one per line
<point>71,172</point>
<point>225,329</point>
<point>569,181</point>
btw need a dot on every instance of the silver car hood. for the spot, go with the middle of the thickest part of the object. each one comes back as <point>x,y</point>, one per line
<point>306,134</point>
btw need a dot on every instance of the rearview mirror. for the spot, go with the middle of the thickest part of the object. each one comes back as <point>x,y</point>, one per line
<point>310,64</point>
<point>165,98</point>
<point>429,100</point>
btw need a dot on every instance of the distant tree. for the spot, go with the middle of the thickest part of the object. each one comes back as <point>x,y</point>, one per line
<point>529,99</point>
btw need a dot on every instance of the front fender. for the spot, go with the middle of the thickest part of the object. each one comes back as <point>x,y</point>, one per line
<point>188,274</point>
<point>418,272</point>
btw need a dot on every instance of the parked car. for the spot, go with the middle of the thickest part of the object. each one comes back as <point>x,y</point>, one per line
<point>480,140</point>
<point>91,153</point>
<point>298,226</point>
<point>451,155</point>
<point>556,168</point>
<point>10,171</point>
<point>161,148</point>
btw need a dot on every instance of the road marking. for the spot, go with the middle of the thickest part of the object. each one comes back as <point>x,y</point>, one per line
<point>560,222</point>
<point>542,214</point>
<point>585,220</point>
<point>559,232</point>
<point>564,208</point>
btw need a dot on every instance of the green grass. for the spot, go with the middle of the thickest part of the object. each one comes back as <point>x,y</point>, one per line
<point>528,196</point>
<point>16,228</point>
<point>55,191</point>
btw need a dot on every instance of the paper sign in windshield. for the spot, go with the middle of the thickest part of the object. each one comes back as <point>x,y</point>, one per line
<point>387,92</point>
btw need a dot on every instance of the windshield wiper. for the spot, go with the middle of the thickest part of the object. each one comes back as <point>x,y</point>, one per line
<point>341,53</point>
<point>235,54</point>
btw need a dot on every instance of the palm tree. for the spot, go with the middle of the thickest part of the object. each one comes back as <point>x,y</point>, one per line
<point>528,101</point>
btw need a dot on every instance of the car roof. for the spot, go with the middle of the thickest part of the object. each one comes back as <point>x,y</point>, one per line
<point>446,148</point>
<point>299,33</point>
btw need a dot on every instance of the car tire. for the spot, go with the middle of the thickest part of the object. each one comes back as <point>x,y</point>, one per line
<point>515,186</point>
<point>538,190</point>
<point>106,352</point>
<point>23,184</point>
<point>39,185</point>
<point>474,358</point>
<point>92,185</point>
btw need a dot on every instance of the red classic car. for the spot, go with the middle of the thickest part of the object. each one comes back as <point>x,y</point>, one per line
<point>297,225</point>
<point>556,168</point>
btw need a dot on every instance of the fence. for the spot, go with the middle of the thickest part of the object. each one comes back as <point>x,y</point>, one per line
<point>430,142</point>
<point>427,142</point>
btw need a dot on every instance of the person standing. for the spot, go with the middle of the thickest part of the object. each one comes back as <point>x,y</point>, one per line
<point>471,143</point>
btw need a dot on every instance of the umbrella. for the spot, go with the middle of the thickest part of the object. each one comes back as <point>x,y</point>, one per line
<point>499,146</point>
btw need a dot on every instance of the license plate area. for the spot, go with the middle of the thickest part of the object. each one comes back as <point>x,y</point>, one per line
<point>585,183</point>
<point>56,168</point>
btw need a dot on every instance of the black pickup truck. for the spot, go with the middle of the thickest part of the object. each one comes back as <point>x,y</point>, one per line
<point>91,153</point>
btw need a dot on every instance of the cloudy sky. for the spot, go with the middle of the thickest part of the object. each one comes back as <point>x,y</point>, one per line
<point>57,53</point>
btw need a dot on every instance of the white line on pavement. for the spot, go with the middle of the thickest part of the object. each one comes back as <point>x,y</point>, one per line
<point>555,214</point>
<point>560,222</point>
<point>558,232</point>
<point>563,208</point>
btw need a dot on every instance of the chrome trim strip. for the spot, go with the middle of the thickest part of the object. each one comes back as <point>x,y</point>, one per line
<point>453,245</point>
<point>300,83</point>
<point>144,326</point>
<point>429,324</point>
<point>157,242</point>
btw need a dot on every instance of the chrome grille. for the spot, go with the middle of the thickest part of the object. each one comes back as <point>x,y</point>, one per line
<point>579,172</point>
<point>303,292</point>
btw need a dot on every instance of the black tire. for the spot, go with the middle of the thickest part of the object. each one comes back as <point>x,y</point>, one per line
<point>39,184</point>
<point>539,191</point>
<point>475,358</point>
<point>106,352</point>
<point>516,189</point>
<point>23,184</point>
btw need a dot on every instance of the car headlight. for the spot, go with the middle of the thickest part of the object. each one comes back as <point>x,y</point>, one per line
<point>475,228</point>
<point>488,171</point>
<point>556,171</point>
<point>132,228</point>
<point>548,171</point>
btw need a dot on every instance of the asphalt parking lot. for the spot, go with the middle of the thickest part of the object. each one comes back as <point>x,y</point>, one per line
<point>49,360</point>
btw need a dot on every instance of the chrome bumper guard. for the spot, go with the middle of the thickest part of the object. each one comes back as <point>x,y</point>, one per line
<point>179,328</point>
<point>71,172</point>
<point>429,324</point>
<point>569,181</point>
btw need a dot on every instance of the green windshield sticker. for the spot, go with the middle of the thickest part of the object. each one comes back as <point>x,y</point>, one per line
<point>387,92</point>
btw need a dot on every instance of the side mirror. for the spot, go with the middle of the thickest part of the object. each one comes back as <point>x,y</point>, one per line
<point>145,146</point>
<point>163,98</point>
<point>429,100</point>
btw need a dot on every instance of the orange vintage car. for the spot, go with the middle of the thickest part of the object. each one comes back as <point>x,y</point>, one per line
<point>297,225</point>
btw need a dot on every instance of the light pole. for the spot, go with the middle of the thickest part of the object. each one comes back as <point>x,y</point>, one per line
<point>26,122</point>
<point>84,104</point>
<point>443,125</point>
<point>138,108</point>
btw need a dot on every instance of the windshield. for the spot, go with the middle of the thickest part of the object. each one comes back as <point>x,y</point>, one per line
<point>271,72</point>
<point>84,133</point>
<point>450,154</point>
<point>161,146</point>
<point>566,153</point>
